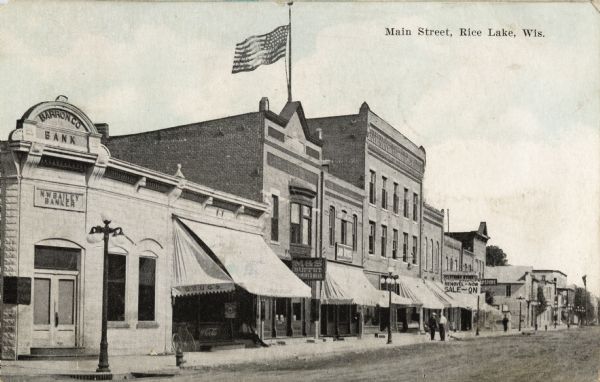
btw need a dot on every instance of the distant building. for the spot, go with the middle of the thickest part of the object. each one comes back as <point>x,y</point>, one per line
<point>473,249</point>
<point>514,291</point>
<point>554,284</point>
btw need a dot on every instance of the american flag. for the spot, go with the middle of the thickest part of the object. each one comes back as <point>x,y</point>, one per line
<point>260,50</point>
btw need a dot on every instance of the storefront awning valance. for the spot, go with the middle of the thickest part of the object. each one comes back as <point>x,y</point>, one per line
<point>465,301</point>
<point>194,272</point>
<point>249,261</point>
<point>348,285</point>
<point>423,293</point>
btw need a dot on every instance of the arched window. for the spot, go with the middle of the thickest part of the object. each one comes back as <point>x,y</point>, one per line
<point>426,253</point>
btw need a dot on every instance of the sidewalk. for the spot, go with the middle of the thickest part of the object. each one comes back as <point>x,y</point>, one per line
<point>124,366</point>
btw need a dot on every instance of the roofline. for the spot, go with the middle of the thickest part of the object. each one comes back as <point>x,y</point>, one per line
<point>181,126</point>
<point>549,270</point>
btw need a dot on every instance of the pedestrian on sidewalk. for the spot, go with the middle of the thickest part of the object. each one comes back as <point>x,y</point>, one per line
<point>505,323</point>
<point>442,326</point>
<point>432,323</point>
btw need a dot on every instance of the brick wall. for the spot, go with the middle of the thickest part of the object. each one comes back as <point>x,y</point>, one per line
<point>225,154</point>
<point>344,145</point>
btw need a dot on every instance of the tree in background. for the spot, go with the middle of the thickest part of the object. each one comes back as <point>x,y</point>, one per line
<point>494,256</point>
<point>542,303</point>
<point>489,297</point>
<point>579,301</point>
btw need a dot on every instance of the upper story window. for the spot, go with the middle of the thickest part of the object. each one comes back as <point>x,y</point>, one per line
<point>383,240</point>
<point>405,212</point>
<point>354,232</point>
<point>395,244</point>
<point>426,254</point>
<point>371,237</point>
<point>372,184</point>
<point>508,290</point>
<point>344,232</point>
<point>395,199</point>
<point>415,207</point>
<point>384,192</point>
<point>414,250</point>
<point>300,224</point>
<point>432,256</point>
<point>275,218</point>
<point>332,225</point>
<point>405,247</point>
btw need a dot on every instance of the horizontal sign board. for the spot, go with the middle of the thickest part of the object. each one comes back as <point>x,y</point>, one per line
<point>461,286</point>
<point>59,199</point>
<point>309,269</point>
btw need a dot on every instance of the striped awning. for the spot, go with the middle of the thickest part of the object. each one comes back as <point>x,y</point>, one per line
<point>194,272</point>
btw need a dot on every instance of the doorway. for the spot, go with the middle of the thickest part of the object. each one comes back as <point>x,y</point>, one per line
<point>54,313</point>
<point>55,297</point>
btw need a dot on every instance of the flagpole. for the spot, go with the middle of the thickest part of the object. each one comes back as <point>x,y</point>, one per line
<point>290,53</point>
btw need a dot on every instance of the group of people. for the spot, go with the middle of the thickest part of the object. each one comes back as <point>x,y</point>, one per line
<point>440,324</point>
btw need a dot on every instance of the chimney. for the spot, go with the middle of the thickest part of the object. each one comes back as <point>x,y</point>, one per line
<point>102,129</point>
<point>263,105</point>
<point>320,133</point>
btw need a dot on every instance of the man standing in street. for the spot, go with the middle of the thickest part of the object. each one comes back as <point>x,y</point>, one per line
<point>432,323</point>
<point>505,323</point>
<point>442,326</point>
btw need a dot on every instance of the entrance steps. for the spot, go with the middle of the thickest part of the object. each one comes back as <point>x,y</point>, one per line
<point>229,345</point>
<point>57,353</point>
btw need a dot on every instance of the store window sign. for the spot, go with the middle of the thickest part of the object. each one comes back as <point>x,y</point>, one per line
<point>462,286</point>
<point>59,199</point>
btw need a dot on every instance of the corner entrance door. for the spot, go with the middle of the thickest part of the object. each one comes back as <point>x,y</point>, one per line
<point>54,310</point>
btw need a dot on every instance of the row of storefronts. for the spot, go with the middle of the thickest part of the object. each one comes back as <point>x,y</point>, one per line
<point>235,231</point>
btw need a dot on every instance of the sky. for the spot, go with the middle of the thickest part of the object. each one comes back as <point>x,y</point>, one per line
<point>510,125</point>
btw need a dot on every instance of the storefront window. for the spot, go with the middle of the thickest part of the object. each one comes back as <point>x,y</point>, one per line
<point>146,290</point>
<point>116,287</point>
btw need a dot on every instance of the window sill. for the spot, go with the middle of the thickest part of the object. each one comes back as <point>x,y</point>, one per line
<point>275,242</point>
<point>117,325</point>
<point>146,325</point>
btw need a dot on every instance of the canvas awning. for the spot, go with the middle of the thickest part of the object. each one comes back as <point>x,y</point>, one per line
<point>438,290</point>
<point>194,272</point>
<point>405,291</point>
<point>423,293</point>
<point>345,284</point>
<point>384,300</point>
<point>249,261</point>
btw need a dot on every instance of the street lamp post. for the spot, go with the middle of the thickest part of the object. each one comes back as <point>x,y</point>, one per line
<point>477,330</point>
<point>585,297</point>
<point>106,231</point>
<point>390,280</point>
<point>520,298</point>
